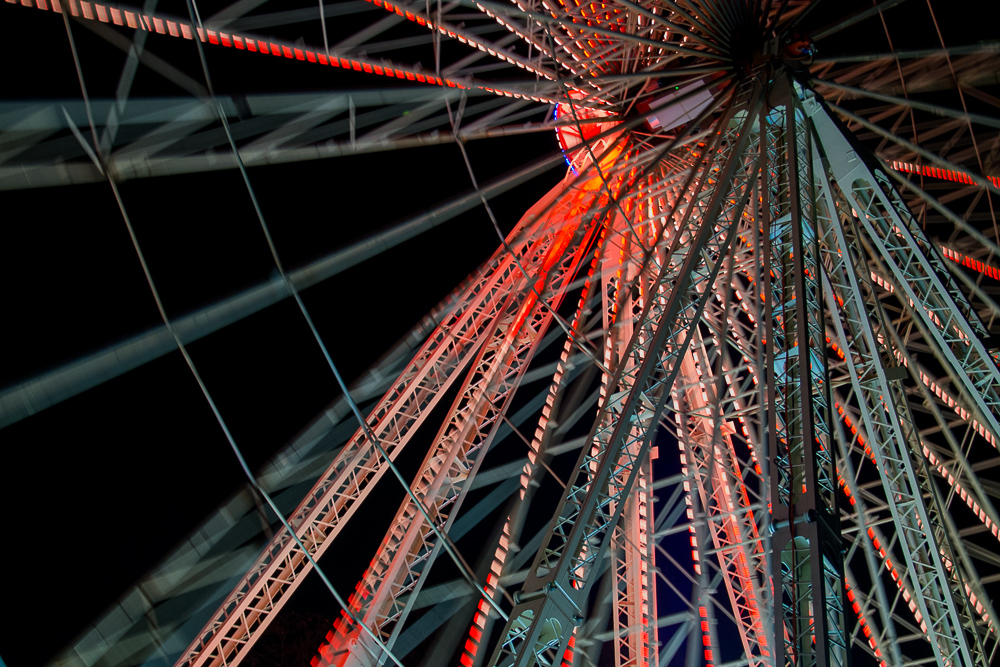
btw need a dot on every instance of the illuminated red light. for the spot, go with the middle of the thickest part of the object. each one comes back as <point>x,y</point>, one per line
<point>944,174</point>
<point>105,14</point>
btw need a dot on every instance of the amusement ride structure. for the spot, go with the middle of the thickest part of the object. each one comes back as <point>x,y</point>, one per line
<point>729,394</point>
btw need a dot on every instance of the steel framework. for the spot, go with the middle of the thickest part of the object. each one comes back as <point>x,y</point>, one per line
<point>776,325</point>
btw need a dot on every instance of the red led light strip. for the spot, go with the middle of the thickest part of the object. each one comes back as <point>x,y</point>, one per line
<point>878,540</point>
<point>951,402</point>
<point>889,287</point>
<point>973,264</point>
<point>863,621</point>
<point>721,482</point>
<point>935,172</point>
<point>960,490</point>
<point>473,642</point>
<point>938,466</point>
<point>706,637</point>
<point>332,650</point>
<point>139,21</point>
<point>943,395</point>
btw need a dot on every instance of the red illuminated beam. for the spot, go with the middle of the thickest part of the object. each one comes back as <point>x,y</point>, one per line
<point>935,172</point>
<point>176,28</point>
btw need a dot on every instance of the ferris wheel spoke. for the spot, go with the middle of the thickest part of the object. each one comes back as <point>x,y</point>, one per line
<point>285,129</point>
<point>970,331</point>
<point>507,113</point>
<point>95,14</point>
<point>858,520</point>
<point>870,603</point>
<point>338,492</point>
<point>439,483</point>
<point>45,390</point>
<point>416,13</point>
<point>716,15</point>
<point>571,28</point>
<point>332,523</point>
<point>689,18</point>
<point>542,442</point>
<point>711,460</point>
<point>865,515</point>
<point>671,26</point>
<point>936,399</point>
<point>932,524</point>
<point>914,104</point>
<point>564,372</point>
<point>520,643</point>
<point>236,17</point>
<point>959,473</point>
<point>653,73</point>
<point>922,74</point>
<point>985,243</point>
<point>125,85</point>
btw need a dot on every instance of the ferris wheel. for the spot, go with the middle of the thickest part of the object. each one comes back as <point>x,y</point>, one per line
<point>727,393</point>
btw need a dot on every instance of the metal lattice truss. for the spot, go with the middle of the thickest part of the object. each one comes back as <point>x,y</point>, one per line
<point>728,394</point>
